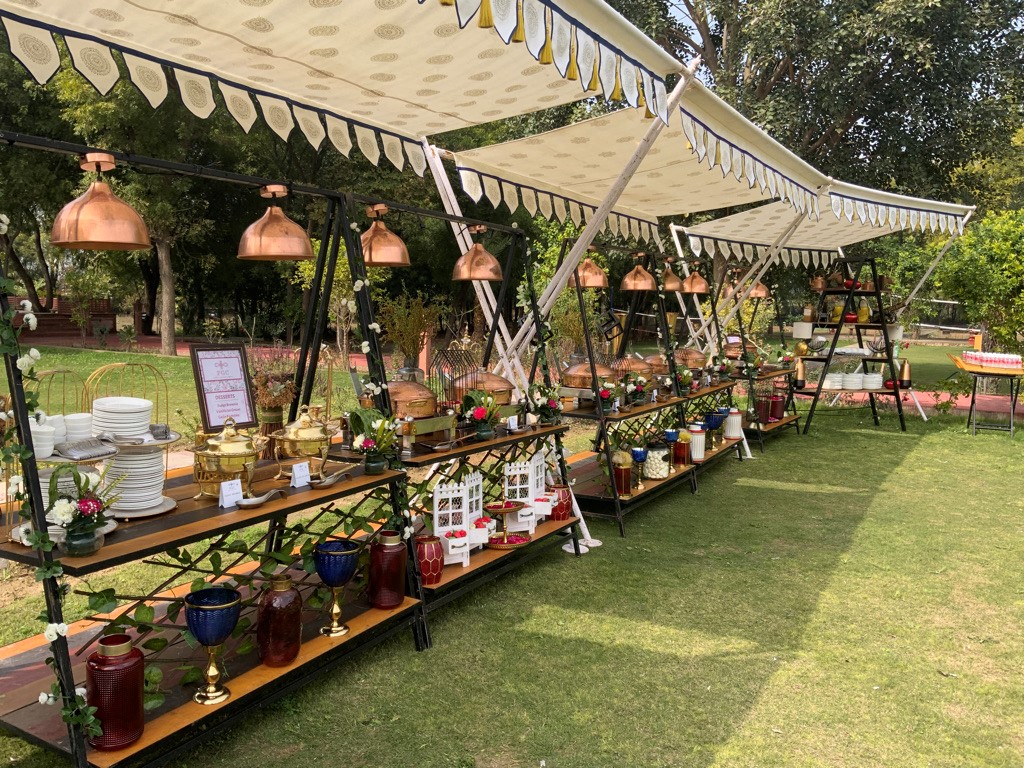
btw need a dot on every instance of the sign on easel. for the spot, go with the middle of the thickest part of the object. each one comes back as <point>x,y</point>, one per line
<point>223,385</point>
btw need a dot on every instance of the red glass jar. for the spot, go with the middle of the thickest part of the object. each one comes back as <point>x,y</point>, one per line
<point>763,408</point>
<point>430,555</point>
<point>113,684</point>
<point>279,623</point>
<point>562,508</point>
<point>680,453</point>
<point>387,570</point>
<point>777,408</point>
<point>623,480</point>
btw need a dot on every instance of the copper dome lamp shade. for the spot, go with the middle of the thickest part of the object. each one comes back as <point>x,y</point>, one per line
<point>694,284</point>
<point>590,274</point>
<point>99,220</point>
<point>759,291</point>
<point>274,237</point>
<point>638,278</point>
<point>477,263</point>
<point>673,283</point>
<point>381,246</point>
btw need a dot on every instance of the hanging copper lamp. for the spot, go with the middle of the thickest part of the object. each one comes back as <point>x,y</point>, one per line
<point>274,237</point>
<point>638,278</point>
<point>673,283</point>
<point>759,291</point>
<point>381,246</point>
<point>591,275</point>
<point>694,284</point>
<point>99,220</point>
<point>477,263</point>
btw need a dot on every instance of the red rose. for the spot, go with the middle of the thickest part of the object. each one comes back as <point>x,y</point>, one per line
<point>479,413</point>
<point>89,506</point>
<point>460,534</point>
<point>605,394</point>
<point>552,403</point>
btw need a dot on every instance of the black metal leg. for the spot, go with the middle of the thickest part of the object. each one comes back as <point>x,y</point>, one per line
<point>974,405</point>
<point>574,531</point>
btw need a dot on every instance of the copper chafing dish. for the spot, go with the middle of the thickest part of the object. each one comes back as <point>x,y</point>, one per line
<point>624,365</point>
<point>691,358</point>
<point>494,385</point>
<point>305,438</point>
<point>578,376</point>
<point>732,349</point>
<point>230,455</point>
<point>410,398</point>
<point>658,363</point>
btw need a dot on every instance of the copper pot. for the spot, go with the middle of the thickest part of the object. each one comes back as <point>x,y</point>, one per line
<point>733,352</point>
<point>691,358</point>
<point>578,376</point>
<point>818,283</point>
<point>624,365</point>
<point>410,398</point>
<point>496,386</point>
<point>658,363</point>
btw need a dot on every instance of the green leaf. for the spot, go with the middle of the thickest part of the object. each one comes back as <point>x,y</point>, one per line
<point>155,644</point>
<point>153,676</point>
<point>49,571</point>
<point>102,602</point>
<point>215,563</point>
<point>145,614</point>
<point>246,646</point>
<point>198,584</point>
<point>172,611</point>
<point>189,639</point>
<point>192,675</point>
<point>151,701</point>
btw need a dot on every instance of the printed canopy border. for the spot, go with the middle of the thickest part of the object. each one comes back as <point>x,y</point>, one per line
<point>343,71</point>
<point>746,252</point>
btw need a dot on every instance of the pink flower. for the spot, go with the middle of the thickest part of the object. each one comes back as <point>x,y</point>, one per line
<point>552,403</point>
<point>369,444</point>
<point>479,413</point>
<point>89,505</point>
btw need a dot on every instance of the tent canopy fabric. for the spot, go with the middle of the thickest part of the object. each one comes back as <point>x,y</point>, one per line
<point>708,157</point>
<point>390,71</point>
<point>850,214</point>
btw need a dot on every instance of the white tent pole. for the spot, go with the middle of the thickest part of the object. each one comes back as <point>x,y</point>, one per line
<point>488,303</point>
<point>675,229</point>
<point>932,266</point>
<point>597,220</point>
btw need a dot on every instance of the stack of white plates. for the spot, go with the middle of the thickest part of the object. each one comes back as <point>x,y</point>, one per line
<point>65,485</point>
<point>853,381</point>
<point>121,416</point>
<point>872,381</point>
<point>833,381</point>
<point>142,482</point>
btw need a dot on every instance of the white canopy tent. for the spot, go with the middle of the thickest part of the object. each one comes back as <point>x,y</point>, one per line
<point>387,73</point>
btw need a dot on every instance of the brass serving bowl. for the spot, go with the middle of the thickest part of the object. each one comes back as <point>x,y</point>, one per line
<point>578,376</point>
<point>305,438</point>
<point>482,380</point>
<point>229,455</point>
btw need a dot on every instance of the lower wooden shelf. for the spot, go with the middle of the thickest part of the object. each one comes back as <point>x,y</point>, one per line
<point>180,722</point>
<point>772,426</point>
<point>488,564</point>
<point>593,485</point>
<point>720,450</point>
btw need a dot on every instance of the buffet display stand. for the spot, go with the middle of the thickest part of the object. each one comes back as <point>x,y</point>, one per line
<point>1011,375</point>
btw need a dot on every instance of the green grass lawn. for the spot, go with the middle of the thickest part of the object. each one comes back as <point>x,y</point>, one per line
<point>851,598</point>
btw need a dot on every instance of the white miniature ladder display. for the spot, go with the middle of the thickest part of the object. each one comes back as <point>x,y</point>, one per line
<point>451,517</point>
<point>525,482</point>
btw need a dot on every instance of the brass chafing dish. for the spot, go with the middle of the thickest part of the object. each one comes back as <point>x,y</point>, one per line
<point>732,350</point>
<point>691,358</point>
<point>494,385</point>
<point>305,438</point>
<point>658,363</point>
<point>578,376</point>
<point>624,365</point>
<point>230,455</point>
<point>410,398</point>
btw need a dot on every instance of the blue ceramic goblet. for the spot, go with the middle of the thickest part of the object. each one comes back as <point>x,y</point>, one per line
<point>639,458</point>
<point>671,437</point>
<point>335,563</point>
<point>211,615</point>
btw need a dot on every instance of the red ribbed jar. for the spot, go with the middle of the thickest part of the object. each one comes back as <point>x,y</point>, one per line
<point>387,570</point>
<point>430,555</point>
<point>562,508</point>
<point>113,684</point>
<point>777,409</point>
<point>279,623</point>
<point>680,453</point>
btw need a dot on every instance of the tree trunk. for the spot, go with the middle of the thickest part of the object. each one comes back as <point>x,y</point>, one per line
<point>151,279</point>
<point>167,341</point>
<point>48,281</point>
<point>30,288</point>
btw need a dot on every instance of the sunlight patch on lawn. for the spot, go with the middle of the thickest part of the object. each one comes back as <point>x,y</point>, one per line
<point>801,487</point>
<point>605,629</point>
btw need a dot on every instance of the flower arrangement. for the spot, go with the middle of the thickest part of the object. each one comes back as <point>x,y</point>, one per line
<point>456,534</point>
<point>545,403</point>
<point>378,438</point>
<point>635,387</point>
<point>480,408</point>
<point>79,511</point>
<point>684,378</point>
<point>608,392</point>
<point>273,376</point>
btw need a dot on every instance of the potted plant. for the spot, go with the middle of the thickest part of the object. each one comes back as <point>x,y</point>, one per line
<point>79,509</point>
<point>635,387</point>
<point>606,395</point>
<point>482,412</point>
<point>408,322</point>
<point>273,381</point>
<point>377,439</point>
<point>544,402</point>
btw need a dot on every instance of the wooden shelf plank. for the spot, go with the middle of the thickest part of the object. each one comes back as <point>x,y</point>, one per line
<point>198,519</point>
<point>592,484</point>
<point>867,326</point>
<point>469,448</point>
<point>634,412</point>
<point>789,418</point>
<point>453,574</point>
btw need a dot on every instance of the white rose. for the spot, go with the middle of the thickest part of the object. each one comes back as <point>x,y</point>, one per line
<point>50,633</point>
<point>46,698</point>
<point>62,629</point>
<point>357,286</point>
<point>34,353</point>
<point>80,692</point>
<point>351,306</point>
<point>375,327</point>
<point>376,424</point>
<point>365,347</point>
<point>63,511</point>
<point>17,484</point>
<point>26,305</point>
<point>25,363</point>
<point>31,321</point>
<point>93,479</point>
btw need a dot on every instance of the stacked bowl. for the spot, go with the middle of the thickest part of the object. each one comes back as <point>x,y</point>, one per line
<point>872,381</point>
<point>853,381</point>
<point>78,427</point>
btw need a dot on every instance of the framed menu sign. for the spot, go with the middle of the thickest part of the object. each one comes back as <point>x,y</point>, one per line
<point>223,386</point>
